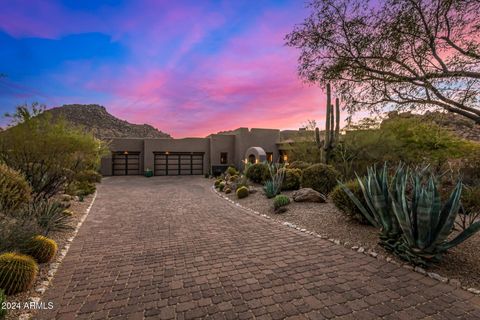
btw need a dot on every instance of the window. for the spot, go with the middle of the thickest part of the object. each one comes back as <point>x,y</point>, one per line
<point>223,158</point>
<point>270,157</point>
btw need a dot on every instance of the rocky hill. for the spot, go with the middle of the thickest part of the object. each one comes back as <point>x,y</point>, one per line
<point>103,124</point>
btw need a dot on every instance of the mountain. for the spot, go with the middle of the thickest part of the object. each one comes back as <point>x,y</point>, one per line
<point>103,124</point>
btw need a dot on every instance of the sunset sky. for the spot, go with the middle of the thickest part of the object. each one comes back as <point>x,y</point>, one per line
<point>189,68</point>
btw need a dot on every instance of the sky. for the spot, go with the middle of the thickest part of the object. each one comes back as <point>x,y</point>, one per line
<point>189,68</point>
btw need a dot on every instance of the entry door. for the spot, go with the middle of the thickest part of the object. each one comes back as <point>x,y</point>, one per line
<point>126,163</point>
<point>178,163</point>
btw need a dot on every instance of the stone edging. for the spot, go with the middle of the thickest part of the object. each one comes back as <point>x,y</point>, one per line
<point>366,251</point>
<point>53,266</point>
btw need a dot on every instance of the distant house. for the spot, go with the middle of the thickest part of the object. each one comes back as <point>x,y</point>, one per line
<point>195,156</point>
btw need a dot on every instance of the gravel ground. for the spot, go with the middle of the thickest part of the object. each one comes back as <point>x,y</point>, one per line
<point>461,263</point>
<point>79,209</point>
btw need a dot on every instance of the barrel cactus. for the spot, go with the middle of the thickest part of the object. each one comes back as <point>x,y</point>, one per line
<point>3,298</point>
<point>280,201</point>
<point>41,248</point>
<point>17,272</point>
<point>242,192</point>
<point>14,189</point>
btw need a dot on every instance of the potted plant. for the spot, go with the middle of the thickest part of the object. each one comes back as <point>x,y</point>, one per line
<point>148,173</point>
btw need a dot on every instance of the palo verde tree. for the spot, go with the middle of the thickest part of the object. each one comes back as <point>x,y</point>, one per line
<point>397,53</point>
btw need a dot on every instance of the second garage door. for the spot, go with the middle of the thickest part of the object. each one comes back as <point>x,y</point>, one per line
<point>178,163</point>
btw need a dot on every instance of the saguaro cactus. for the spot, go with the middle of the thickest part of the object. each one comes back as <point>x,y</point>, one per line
<point>332,126</point>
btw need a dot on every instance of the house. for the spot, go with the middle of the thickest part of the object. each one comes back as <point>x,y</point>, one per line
<point>193,156</point>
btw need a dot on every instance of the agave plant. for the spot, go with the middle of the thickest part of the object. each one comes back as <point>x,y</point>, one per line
<point>409,213</point>
<point>375,189</point>
<point>50,216</point>
<point>273,186</point>
<point>426,224</point>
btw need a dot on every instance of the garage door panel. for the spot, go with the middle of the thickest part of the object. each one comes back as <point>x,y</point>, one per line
<point>125,164</point>
<point>178,164</point>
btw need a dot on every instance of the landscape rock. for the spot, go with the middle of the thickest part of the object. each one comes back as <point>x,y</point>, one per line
<point>308,195</point>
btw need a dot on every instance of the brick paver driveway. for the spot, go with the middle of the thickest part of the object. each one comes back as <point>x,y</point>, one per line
<point>167,247</point>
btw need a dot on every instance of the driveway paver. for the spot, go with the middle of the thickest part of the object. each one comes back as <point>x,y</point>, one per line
<point>168,248</point>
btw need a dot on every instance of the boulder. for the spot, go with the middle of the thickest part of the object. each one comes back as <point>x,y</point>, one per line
<point>308,195</point>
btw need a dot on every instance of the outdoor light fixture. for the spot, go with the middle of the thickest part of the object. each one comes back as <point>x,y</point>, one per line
<point>125,152</point>
<point>285,157</point>
<point>166,152</point>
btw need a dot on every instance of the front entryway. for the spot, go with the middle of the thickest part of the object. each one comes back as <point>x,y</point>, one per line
<point>178,163</point>
<point>125,163</point>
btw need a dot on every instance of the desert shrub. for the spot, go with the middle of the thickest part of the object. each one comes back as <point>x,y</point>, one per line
<point>292,179</point>
<point>320,177</point>
<point>231,171</point>
<point>14,189</point>
<point>345,204</point>
<point>48,152</point>
<point>17,230</point>
<point>91,176</point>
<point>299,165</point>
<point>41,248</point>
<point>3,298</point>
<point>280,201</point>
<point>470,208</point>
<point>81,188</point>
<point>258,172</point>
<point>17,272</point>
<point>242,192</point>
<point>50,216</point>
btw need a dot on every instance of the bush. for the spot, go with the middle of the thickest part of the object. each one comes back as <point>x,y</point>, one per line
<point>280,201</point>
<point>50,216</point>
<point>320,177</point>
<point>14,189</point>
<point>17,272</point>
<point>242,192</point>
<point>41,248</point>
<point>49,152</point>
<point>91,176</point>
<point>231,171</point>
<point>258,172</point>
<point>299,165</point>
<point>292,179</point>
<point>345,204</point>
<point>3,298</point>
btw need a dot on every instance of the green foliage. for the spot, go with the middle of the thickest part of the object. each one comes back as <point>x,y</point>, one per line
<point>81,188</point>
<point>49,152</point>
<point>320,177</point>
<point>280,201</point>
<point>414,224</point>
<point>408,139</point>
<point>41,248</point>
<point>292,179</point>
<point>270,189</point>
<point>258,172</point>
<point>14,189</point>
<point>242,192</point>
<point>471,200</point>
<point>298,164</point>
<point>345,204</point>
<point>50,216</point>
<point>17,272</point>
<point>304,147</point>
<point>3,298</point>
<point>91,176</point>
<point>231,171</point>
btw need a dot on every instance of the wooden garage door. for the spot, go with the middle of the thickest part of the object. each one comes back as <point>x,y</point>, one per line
<point>126,163</point>
<point>178,163</point>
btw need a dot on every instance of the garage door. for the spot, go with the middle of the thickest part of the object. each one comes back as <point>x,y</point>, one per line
<point>126,163</point>
<point>178,163</point>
